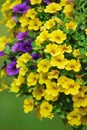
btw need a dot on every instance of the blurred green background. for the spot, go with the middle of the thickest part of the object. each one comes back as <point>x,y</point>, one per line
<point>12,116</point>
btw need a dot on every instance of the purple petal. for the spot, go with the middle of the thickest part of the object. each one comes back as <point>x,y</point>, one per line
<point>15,47</point>
<point>2,53</point>
<point>20,8</point>
<point>22,35</point>
<point>11,69</point>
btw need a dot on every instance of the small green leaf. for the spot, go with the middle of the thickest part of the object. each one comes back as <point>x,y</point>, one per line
<point>82,51</point>
<point>7,50</point>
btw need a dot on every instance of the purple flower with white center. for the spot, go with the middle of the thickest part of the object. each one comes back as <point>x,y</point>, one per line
<point>25,46</point>
<point>22,35</point>
<point>21,8</point>
<point>47,1</point>
<point>11,68</point>
<point>2,53</point>
<point>35,56</point>
<point>15,47</point>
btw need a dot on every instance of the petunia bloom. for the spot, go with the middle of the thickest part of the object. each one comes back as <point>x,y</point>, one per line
<point>27,1</point>
<point>22,35</point>
<point>11,68</point>
<point>21,8</point>
<point>15,47</point>
<point>2,53</point>
<point>35,56</point>
<point>25,46</point>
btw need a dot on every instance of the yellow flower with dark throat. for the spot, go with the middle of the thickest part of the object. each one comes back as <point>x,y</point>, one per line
<point>73,65</point>
<point>46,109</point>
<point>52,8</point>
<point>71,25</point>
<point>28,105</point>
<point>59,61</point>
<point>57,36</point>
<point>53,49</point>
<point>32,79</point>
<point>43,65</point>
<point>34,24</point>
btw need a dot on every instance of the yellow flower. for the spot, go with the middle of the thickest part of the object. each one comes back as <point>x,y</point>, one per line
<point>24,58</point>
<point>24,20</point>
<point>33,2</point>
<point>49,97</point>
<point>74,118</point>
<point>14,88</point>
<point>28,105</point>
<point>10,24</point>
<point>82,110</point>
<point>76,53</point>
<point>84,120</point>
<point>40,9</point>
<point>34,24</point>
<point>23,70</point>
<point>63,2</point>
<point>68,9</point>
<point>52,8</point>
<point>70,87</point>
<point>53,74</point>
<point>53,49</point>
<point>37,112</point>
<point>62,80</point>
<point>3,72</point>
<point>43,65</point>
<point>73,65</point>
<point>57,36</point>
<point>65,48</point>
<point>4,86</point>
<point>58,20</point>
<point>15,3</point>
<point>52,89</point>
<point>43,78</point>
<point>3,42</point>
<point>38,92</point>
<point>31,13</point>
<point>44,35</point>
<point>5,6</point>
<point>16,84</point>
<point>49,24</point>
<point>45,109</point>
<point>59,61</point>
<point>86,31</point>
<point>71,25</point>
<point>32,79</point>
<point>80,100</point>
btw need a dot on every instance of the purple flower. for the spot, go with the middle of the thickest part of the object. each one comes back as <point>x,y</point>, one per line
<point>22,35</point>
<point>11,68</point>
<point>15,47</point>
<point>25,46</point>
<point>47,1</point>
<point>2,53</point>
<point>20,8</point>
<point>27,1</point>
<point>35,56</point>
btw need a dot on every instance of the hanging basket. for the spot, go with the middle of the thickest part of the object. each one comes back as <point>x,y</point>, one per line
<point>46,57</point>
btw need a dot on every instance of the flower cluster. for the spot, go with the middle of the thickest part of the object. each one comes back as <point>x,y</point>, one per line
<point>46,56</point>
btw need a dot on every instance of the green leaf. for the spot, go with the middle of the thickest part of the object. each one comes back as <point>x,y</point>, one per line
<point>7,50</point>
<point>82,51</point>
